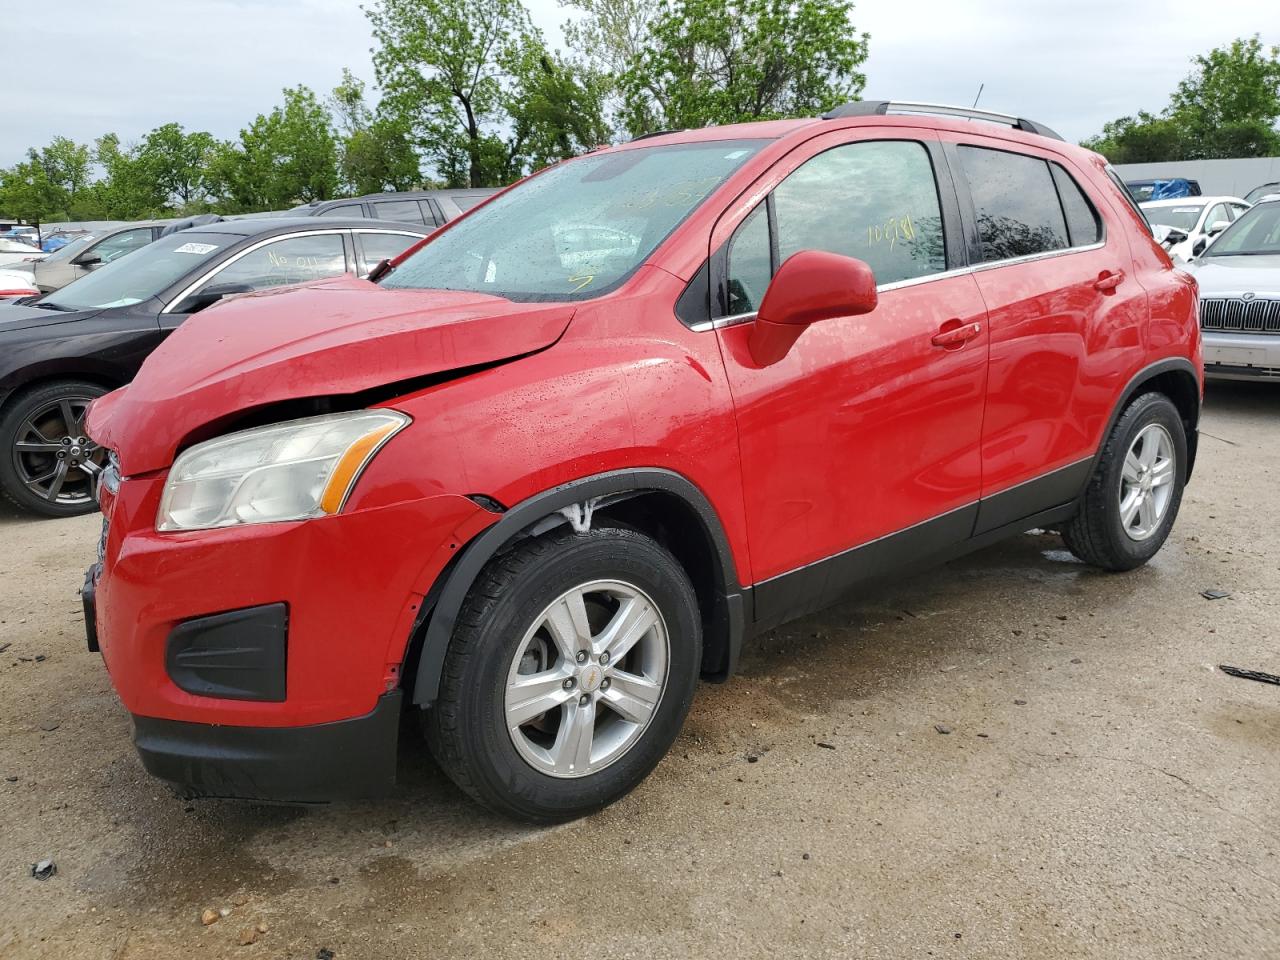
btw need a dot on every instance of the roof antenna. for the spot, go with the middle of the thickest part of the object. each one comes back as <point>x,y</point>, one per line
<point>979,96</point>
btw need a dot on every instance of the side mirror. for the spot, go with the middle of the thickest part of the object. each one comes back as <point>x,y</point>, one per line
<point>1218,226</point>
<point>211,295</point>
<point>810,286</point>
<point>1169,236</point>
<point>87,260</point>
<point>1199,248</point>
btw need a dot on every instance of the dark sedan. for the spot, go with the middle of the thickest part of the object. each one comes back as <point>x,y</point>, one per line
<point>60,351</point>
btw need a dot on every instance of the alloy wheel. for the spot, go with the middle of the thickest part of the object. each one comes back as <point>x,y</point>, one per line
<point>1146,482</point>
<point>587,678</point>
<point>53,457</point>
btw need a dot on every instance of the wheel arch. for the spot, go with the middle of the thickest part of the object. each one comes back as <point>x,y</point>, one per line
<point>42,377</point>
<point>660,503</point>
<point>1176,378</point>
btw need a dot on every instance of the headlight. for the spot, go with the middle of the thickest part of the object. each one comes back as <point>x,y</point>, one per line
<point>288,471</point>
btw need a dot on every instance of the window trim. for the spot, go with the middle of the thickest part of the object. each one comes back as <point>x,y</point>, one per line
<point>191,288</point>
<point>953,240</point>
<point>358,244</point>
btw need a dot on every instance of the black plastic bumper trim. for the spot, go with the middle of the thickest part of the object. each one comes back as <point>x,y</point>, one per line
<point>237,655</point>
<point>344,760</point>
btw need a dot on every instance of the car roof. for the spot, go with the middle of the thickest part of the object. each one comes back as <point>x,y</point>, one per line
<point>269,225</point>
<point>1185,201</point>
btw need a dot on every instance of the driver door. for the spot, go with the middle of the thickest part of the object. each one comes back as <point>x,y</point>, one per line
<point>860,448</point>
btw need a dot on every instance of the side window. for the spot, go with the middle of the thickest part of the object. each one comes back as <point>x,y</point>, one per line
<point>117,245</point>
<point>291,260</point>
<point>381,246</point>
<point>1015,202</point>
<point>402,211</point>
<point>1237,211</point>
<point>1217,212</point>
<point>750,262</point>
<point>874,200</point>
<point>1083,224</point>
<point>348,210</point>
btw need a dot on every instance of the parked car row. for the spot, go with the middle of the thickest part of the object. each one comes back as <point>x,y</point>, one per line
<point>1191,223</point>
<point>541,473</point>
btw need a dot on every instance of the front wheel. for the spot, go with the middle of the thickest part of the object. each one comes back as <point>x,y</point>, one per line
<point>569,675</point>
<point>1133,496</point>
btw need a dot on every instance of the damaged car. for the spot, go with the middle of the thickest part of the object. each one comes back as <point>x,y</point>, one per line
<point>534,478</point>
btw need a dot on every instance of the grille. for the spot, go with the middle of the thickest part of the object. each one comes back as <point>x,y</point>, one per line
<point>1237,315</point>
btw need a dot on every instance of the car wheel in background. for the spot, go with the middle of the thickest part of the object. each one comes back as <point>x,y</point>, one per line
<point>569,675</point>
<point>1132,498</point>
<point>47,464</point>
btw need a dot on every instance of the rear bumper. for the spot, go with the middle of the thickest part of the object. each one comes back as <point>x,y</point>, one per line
<point>343,760</point>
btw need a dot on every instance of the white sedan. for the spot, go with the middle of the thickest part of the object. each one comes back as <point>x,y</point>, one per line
<point>1200,218</point>
<point>16,283</point>
<point>14,253</point>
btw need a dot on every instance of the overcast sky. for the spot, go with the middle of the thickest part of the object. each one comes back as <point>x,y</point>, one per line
<point>80,68</point>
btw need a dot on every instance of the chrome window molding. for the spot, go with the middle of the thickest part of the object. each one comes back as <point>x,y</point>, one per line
<point>738,318</point>
<point>210,274</point>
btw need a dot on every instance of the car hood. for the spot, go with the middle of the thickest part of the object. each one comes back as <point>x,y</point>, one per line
<point>19,316</point>
<point>1236,275</point>
<point>331,338</point>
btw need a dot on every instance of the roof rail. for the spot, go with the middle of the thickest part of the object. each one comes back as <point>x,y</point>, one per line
<point>871,108</point>
<point>655,133</point>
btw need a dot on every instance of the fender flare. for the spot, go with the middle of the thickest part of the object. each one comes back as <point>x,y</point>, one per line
<point>441,616</point>
<point>1167,365</point>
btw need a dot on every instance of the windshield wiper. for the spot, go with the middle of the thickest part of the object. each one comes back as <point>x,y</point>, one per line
<point>46,305</point>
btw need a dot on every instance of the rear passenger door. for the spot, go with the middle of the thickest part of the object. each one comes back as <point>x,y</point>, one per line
<point>1065,316</point>
<point>868,429</point>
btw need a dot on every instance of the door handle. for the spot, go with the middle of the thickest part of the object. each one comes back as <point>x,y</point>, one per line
<point>956,334</point>
<point>1108,281</point>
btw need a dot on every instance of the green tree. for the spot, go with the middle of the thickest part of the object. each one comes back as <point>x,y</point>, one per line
<point>375,149</point>
<point>448,64</point>
<point>728,61</point>
<point>462,70</point>
<point>179,162</point>
<point>1228,106</point>
<point>282,158</point>
<point>26,193</point>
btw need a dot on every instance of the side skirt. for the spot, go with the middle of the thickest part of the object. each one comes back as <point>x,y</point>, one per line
<point>1045,501</point>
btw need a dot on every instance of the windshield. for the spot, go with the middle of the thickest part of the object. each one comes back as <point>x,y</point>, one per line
<point>141,275</point>
<point>1256,233</point>
<point>67,251</point>
<point>577,230</point>
<point>1182,217</point>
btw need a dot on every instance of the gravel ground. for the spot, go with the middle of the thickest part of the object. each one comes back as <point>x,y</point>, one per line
<point>1102,791</point>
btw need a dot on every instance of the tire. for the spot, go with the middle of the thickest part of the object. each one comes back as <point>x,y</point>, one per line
<point>518,766</point>
<point>35,418</point>
<point>1106,534</point>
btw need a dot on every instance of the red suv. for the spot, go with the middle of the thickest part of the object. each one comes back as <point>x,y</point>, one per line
<point>562,458</point>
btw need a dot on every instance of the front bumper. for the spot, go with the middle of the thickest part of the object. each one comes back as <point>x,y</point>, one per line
<point>263,661</point>
<point>1241,356</point>
<point>345,760</point>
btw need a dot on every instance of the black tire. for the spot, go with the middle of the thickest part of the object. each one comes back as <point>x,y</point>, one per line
<point>12,482</point>
<point>1096,534</point>
<point>466,727</point>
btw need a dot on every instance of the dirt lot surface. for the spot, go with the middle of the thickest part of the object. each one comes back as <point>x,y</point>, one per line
<point>1102,791</point>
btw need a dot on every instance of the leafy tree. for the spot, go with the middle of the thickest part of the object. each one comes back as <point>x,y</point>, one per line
<point>375,148</point>
<point>447,63</point>
<point>179,162</point>
<point>1228,106</point>
<point>282,158</point>
<point>609,37</point>
<point>27,193</point>
<point>727,61</point>
<point>461,69</point>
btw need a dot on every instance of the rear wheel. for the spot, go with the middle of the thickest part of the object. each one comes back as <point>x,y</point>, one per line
<point>569,675</point>
<point>1133,497</point>
<point>47,463</point>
